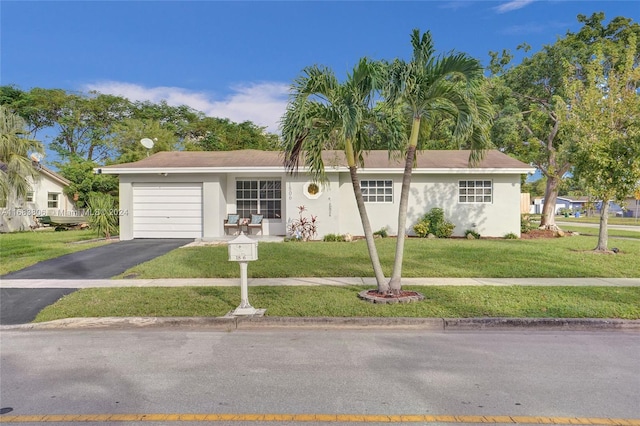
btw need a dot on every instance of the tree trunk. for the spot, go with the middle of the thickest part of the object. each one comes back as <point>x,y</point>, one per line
<point>395,284</point>
<point>603,235</point>
<point>548,220</point>
<point>383,286</point>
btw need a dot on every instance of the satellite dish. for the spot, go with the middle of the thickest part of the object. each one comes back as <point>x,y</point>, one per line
<point>36,157</point>
<point>147,143</point>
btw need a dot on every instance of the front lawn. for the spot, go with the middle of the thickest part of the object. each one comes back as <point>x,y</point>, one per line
<point>497,258</point>
<point>21,249</point>
<point>440,302</point>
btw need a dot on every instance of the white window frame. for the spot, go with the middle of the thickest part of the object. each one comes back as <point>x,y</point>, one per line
<point>261,198</point>
<point>53,197</point>
<point>377,190</point>
<point>475,191</point>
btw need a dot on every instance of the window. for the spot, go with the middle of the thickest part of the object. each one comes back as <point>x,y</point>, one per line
<point>29,198</point>
<point>52,200</point>
<point>475,191</point>
<point>377,191</point>
<point>259,196</point>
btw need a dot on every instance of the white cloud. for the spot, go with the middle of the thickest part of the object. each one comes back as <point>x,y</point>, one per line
<point>261,103</point>
<point>513,5</point>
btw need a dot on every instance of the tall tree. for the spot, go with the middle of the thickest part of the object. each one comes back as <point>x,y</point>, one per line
<point>603,113</point>
<point>16,168</point>
<point>326,114</point>
<point>429,88</point>
<point>531,93</point>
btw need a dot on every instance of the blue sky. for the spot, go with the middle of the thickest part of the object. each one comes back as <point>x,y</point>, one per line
<point>237,59</point>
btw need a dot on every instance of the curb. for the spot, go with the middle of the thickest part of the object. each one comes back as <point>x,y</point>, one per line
<point>247,323</point>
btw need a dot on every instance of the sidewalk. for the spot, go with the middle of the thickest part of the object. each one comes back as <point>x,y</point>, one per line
<point>310,281</point>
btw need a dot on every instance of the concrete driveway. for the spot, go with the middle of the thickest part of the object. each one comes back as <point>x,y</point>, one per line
<point>20,305</point>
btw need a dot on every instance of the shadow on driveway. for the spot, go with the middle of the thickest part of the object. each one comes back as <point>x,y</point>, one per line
<point>18,305</point>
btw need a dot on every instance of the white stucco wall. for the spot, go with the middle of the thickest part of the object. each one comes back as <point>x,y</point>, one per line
<point>494,219</point>
<point>325,206</point>
<point>335,206</point>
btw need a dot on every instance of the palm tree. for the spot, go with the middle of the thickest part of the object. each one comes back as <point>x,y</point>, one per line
<point>325,114</point>
<point>15,166</point>
<point>429,88</point>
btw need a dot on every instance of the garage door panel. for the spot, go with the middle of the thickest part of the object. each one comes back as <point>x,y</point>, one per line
<point>165,220</point>
<point>165,213</point>
<point>167,210</point>
<point>168,227</point>
<point>156,198</point>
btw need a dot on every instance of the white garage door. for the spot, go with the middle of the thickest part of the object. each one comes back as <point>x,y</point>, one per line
<point>168,210</point>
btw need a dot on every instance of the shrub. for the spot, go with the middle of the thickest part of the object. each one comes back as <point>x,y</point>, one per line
<point>303,228</point>
<point>334,237</point>
<point>475,234</point>
<point>525,223</point>
<point>510,236</point>
<point>434,223</point>
<point>102,217</point>
<point>421,228</point>
<point>382,233</point>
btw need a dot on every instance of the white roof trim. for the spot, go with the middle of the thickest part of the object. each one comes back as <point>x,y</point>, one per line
<point>386,171</point>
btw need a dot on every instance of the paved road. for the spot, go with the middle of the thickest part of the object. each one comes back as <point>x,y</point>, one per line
<point>20,305</point>
<point>334,372</point>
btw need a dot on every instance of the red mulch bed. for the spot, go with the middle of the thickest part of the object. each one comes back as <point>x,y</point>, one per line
<point>538,233</point>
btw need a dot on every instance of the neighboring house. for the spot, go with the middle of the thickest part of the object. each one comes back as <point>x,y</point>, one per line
<point>46,198</point>
<point>189,194</point>
<point>563,202</point>
<point>632,207</point>
<point>575,204</point>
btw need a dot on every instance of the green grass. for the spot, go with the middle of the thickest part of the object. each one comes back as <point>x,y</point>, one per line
<point>630,221</point>
<point>441,301</point>
<point>497,258</point>
<point>613,233</point>
<point>21,249</point>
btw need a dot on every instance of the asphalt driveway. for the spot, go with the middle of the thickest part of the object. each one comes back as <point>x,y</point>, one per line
<point>20,305</point>
<point>100,262</point>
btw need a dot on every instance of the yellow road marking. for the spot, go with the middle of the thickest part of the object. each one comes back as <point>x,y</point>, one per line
<point>318,418</point>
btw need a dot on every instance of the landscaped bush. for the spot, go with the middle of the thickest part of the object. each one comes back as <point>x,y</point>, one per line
<point>304,228</point>
<point>334,238</point>
<point>103,218</point>
<point>434,223</point>
<point>475,234</point>
<point>510,236</point>
<point>525,223</point>
<point>382,233</point>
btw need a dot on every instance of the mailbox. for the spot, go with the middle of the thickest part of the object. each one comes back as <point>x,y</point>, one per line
<point>243,249</point>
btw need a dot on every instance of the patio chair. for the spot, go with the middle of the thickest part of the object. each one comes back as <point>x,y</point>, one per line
<point>232,222</point>
<point>255,223</point>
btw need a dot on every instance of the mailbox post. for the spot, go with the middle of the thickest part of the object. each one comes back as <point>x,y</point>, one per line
<point>243,250</point>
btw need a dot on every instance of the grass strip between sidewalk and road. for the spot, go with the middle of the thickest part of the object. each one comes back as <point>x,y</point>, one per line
<point>328,301</point>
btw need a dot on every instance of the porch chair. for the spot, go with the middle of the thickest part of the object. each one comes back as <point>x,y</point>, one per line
<point>255,223</point>
<point>232,222</point>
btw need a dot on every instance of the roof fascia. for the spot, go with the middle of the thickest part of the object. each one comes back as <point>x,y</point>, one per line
<point>182,170</point>
<point>387,171</point>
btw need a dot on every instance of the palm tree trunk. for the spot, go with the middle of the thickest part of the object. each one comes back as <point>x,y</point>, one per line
<point>383,286</point>
<point>395,284</point>
<point>603,235</point>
